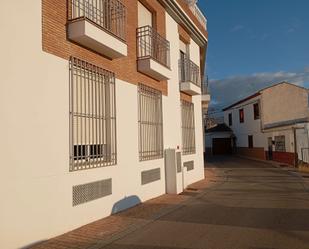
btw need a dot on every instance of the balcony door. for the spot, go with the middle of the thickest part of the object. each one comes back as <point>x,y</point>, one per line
<point>144,16</point>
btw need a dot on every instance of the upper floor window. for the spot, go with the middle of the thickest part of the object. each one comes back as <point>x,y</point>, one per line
<point>92,116</point>
<point>256,110</point>
<point>230,119</point>
<point>241,116</point>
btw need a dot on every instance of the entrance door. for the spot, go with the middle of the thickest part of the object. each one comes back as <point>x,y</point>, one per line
<point>270,148</point>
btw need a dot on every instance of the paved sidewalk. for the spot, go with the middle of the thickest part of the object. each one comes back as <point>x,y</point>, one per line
<point>114,227</point>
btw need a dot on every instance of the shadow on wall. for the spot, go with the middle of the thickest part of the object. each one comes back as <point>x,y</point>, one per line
<point>125,203</point>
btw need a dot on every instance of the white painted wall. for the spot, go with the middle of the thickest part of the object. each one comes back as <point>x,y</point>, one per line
<point>249,127</point>
<point>36,185</point>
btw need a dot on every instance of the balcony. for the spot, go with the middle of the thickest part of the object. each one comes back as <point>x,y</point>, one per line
<point>153,54</point>
<point>197,12</point>
<point>99,25</point>
<point>190,80</point>
<point>205,94</point>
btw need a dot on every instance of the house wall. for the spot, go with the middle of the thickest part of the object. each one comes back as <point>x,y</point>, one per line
<point>284,102</point>
<point>302,142</point>
<point>36,185</point>
<point>248,127</point>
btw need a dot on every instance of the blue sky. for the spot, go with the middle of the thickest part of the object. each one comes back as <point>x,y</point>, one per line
<point>255,43</point>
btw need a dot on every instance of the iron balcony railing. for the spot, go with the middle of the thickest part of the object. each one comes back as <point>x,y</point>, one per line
<point>199,15</point>
<point>152,45</point>
<point>109,15</point>
<point>189,72</point>
<point>205,86</point>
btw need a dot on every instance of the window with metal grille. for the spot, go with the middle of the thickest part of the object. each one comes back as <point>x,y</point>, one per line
<point>188,128</point>
<point>150,123</point>
<point>280,143</point>
<point>92,116</point>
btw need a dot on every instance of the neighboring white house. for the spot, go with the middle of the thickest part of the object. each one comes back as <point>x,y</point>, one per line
<point>92,98</point>
<point>272,123</point>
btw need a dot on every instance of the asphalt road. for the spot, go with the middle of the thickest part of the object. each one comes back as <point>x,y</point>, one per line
<point>253,205</point>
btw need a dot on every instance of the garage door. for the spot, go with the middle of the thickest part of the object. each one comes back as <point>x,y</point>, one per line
<point>221,146</point>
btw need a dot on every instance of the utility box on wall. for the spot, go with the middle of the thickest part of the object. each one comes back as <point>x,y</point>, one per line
<point>173,172</point>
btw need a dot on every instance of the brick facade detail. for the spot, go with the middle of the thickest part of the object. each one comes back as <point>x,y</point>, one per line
<point>54,40</point>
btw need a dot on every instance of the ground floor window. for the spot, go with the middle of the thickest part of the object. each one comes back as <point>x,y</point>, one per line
<point>188,128</point>
<point>150,122</point>
<point>92,116</point>
<point>280,143</point>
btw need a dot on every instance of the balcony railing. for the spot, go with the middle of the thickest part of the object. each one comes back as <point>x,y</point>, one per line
<point>109,15</point>
<point>199,15</point>
<point>205,86</point>
<point>152,45</point>
<point>189,72</point>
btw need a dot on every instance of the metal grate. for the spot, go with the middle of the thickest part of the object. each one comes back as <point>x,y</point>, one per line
<point>150,176</point>
<point>205,86</point>
<point>91,191</point>
<point>189,165</point>
<point>188,128</point>
<point>152,45</point>
<point>150,123</point>
<point>92,116</point>
<point>280,143</point>
<point>189,71</point>
<point>109,15</point>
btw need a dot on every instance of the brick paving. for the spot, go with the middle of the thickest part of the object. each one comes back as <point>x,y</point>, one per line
<point>104,231</point>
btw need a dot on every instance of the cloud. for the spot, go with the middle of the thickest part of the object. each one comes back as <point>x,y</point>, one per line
<point>229,90</point>
<point>237,28</point>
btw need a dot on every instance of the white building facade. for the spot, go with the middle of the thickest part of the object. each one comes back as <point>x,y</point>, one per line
<point>87,118</point>
<point>272,124</point>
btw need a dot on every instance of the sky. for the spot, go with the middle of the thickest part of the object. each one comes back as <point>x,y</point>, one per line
<point>254,44</point>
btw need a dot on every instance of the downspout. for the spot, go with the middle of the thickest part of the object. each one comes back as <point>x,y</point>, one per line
<point>295,148</point>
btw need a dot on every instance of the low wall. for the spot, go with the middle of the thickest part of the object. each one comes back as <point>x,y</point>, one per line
<point>284,157</point>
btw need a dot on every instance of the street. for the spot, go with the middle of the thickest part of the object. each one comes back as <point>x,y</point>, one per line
<point>252,205</point>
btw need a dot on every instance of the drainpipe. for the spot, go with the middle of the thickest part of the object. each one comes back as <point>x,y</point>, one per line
<point>295,148</point>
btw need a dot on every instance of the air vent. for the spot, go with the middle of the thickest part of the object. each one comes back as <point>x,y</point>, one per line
<point>91,191</point>
<point>189,165</point>
<point>151,176</point>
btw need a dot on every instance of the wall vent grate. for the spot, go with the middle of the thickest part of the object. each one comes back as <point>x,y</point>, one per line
<point>91,191</point>
<point>189,165</point>
<point>150,176</point>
